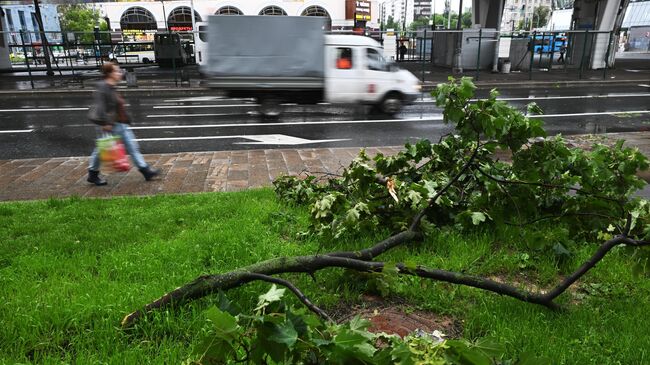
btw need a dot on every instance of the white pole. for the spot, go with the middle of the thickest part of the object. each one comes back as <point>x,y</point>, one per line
<point>193,20</point>
<point>434,14</point>
<point>449,19</point>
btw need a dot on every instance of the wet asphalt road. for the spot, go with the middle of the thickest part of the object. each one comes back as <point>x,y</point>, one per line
<point>55,125</point>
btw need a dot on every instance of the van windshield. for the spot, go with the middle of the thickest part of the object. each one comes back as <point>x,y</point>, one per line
<point>375,60</point>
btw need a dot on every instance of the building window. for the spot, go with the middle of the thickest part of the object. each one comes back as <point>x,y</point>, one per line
<point>181,18</point>
<point>273,10</point>
<point>318,11</point>
<point>229,10</point>
<point>37,35</point>
<point>21,17</point>
<point>138,18</point>
<point>10,21</point>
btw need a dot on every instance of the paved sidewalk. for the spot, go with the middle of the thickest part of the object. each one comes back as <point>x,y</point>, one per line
<point>30,179</point>
<point>182,173</point>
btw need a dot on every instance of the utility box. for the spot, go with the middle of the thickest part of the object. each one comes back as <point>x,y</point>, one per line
<point>131,79</point>
<point>468,40</point>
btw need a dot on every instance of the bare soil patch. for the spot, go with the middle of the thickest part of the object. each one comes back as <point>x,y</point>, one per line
<point>394,317</point>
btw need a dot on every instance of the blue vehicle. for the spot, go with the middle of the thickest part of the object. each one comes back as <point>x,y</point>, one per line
<point>549,43</point>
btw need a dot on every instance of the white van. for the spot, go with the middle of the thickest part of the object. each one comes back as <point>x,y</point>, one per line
<point>291,60</point>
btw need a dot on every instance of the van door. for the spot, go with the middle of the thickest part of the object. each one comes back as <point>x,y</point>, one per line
<point>343,74</point>
<point>378,79</point>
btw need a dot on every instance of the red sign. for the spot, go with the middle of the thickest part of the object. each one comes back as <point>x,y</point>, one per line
<point>181,28</point>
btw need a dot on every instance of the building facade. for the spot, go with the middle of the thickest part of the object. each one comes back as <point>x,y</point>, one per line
<point>18,18</point>
<point>402,11</point>
<point>521,11</point>
<point>176,15</point>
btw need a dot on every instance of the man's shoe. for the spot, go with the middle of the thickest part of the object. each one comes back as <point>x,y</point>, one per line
<point>94,178</point>
<point>149,173</point>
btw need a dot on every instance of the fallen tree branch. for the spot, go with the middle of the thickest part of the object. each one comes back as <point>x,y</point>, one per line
<point>451,182</point>
<point>369,254</point>
<point>208,284</point>
<point>302,297</point>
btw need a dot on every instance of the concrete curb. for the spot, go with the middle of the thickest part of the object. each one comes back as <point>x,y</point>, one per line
<point>428,86</point>
<point>141,90</point>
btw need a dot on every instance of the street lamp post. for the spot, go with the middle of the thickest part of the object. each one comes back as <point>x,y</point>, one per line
<point>193,19</point>
<point>458,67</point>
<point>164,14</point>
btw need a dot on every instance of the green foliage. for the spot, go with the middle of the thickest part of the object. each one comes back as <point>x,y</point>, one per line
<point>278,333</point>
<point>81,20</point>
<point>541,15</point>
<point>464,185</point>
<point>392,24</point>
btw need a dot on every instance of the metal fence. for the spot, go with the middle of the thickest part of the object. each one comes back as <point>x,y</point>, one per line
<point>467,50</point>
<point>76,49</point>
<point>474,50</point>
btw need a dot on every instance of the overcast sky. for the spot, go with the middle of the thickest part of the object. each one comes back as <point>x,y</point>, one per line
<point>440,5</point>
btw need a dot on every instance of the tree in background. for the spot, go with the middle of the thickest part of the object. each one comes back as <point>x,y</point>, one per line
<point>392,24</point>
<point>541,16</point>
<point>466,19</point>
<point>422,22</point>
<point>79,18</point>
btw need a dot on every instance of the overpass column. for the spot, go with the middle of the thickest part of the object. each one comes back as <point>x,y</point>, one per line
<point>602,16</point>
<point>5,62</point>
<point>487,13</point>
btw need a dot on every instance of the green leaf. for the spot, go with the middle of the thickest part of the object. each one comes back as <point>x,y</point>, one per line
<point>284,333</point>
<point>490,347</point>
<point>530,359</point>
<point>273,295</point>
<point>360,325</point>
<point>225,325</point>
<point>401,355</point>
<point>477,218</point>
<point>560,250</point>
<point>348,339</point>
<point>466,89</point>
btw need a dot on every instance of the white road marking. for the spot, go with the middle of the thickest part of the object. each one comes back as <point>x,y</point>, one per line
<point>644,85</point>
<point>18,131</point>
<point>268,139</point>
<point>201,106</point>
<point>195,98</point>
<point>587,114</point>
<point>186,115</point>
<point>534,97</point>
<point>40,110</point>
<point>438,117</point>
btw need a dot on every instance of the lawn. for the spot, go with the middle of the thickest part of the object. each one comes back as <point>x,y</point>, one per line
<point>71,269</point>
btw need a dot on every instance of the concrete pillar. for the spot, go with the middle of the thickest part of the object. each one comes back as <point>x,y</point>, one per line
<point>5,63</point>
<point>487,13</point>
<point>602,16</point>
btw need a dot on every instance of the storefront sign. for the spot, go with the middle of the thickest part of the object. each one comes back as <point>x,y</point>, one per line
<point>180,28</point>
<point>357,10</point>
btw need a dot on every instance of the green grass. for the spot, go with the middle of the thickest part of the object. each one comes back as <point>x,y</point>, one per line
<point>71,269</point>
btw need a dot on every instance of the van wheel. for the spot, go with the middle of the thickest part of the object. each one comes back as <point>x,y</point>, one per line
<point>391,104</point>
<point>145,60</point>
<point>270,107</point>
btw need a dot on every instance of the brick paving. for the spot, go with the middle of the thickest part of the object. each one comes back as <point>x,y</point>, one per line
<point>187,172</point>
<point>193,172</point>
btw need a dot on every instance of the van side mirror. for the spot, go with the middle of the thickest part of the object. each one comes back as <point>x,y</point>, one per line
<point>392,66</point>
